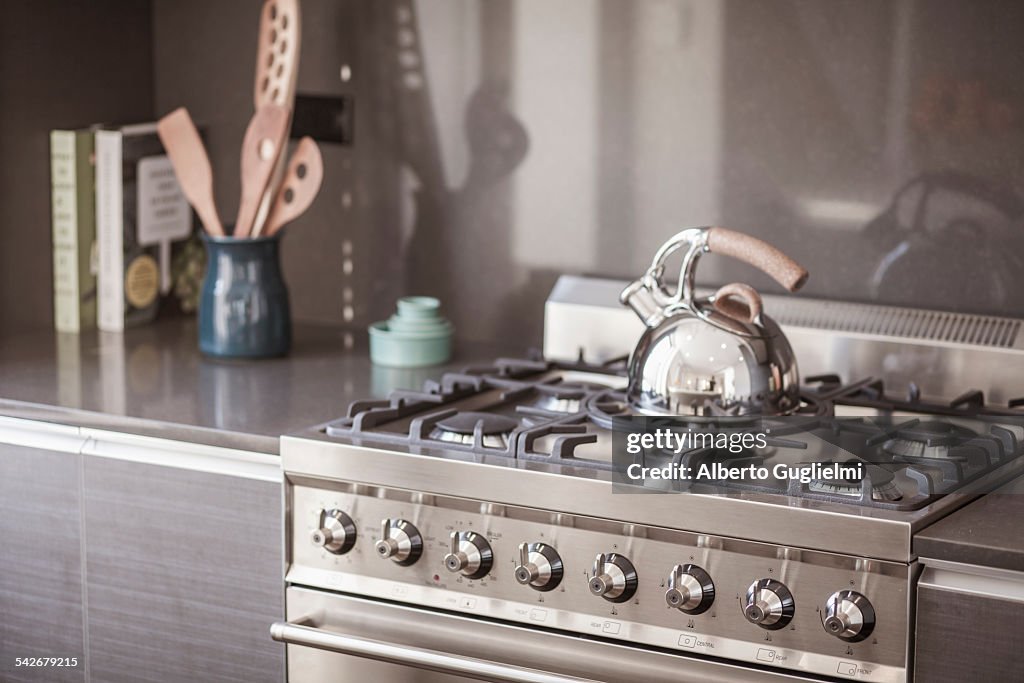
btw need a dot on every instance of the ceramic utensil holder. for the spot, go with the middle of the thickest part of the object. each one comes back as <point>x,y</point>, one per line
<point>243,308</point>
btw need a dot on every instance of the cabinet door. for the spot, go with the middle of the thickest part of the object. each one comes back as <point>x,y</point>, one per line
<point>184,574</point>
<point>40,563</point>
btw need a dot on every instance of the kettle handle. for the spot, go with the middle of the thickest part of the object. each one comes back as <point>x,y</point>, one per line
<point>759,254</point>
<point>738,301</point>
<point>649,297</point>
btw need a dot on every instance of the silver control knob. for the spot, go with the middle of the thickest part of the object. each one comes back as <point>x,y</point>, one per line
<point>690,589</point>
<point>336,532</point>
<point>849,616</point>
<point>614,578</point>
<point>470,555</point>
<point>399,541</point>
<point>540,566</point>
<point>769,604</point>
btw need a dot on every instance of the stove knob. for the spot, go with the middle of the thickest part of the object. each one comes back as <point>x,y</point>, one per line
<point>614,578</point>
<point>540,566</point>
<point>769,604</point>
<point>399,541</point>
<point>849,616</point>
<point>337,532</point>
<point>470,554</point>
<point>690,589</point>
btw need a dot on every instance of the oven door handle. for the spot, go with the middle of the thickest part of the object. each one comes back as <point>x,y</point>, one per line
<point>299,633</point>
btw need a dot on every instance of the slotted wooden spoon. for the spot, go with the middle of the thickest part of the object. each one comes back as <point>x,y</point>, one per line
<point>277,68</point>
<point>300,186</point>
<point>261,149</point>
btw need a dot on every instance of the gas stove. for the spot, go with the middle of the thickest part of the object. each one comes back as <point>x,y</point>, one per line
<point>495,495</point>
<point>911,452</point>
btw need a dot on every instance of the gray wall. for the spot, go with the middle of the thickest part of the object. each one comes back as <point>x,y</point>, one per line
<point>62,64</point>
<point>501,143</point>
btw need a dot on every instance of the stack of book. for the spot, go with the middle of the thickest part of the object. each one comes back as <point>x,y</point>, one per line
<point>117,212</point>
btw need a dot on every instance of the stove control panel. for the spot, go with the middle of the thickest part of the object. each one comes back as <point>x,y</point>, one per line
<point>696,594</point>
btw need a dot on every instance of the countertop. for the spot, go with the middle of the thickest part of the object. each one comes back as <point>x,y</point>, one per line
<point>153,381</point>
<point>986,532</point>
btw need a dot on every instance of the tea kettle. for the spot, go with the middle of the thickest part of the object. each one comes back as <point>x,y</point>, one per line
<point>719,355</point>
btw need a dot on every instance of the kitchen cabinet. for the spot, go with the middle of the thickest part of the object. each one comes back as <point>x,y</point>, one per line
<point>41,595</point>
<point>147,559</point>
<point>183,574</point>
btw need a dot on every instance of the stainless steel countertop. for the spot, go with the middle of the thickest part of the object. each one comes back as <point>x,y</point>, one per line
<point>153,381</point>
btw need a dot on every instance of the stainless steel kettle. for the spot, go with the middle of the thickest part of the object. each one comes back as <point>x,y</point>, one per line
<point>719,355</point>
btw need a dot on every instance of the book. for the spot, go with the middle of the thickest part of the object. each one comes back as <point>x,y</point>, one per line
<point>72,195</point>
<point>140,212</point>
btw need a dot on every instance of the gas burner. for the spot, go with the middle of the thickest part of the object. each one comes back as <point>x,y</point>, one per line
<point>459,428</point>
<point>558,404</point>
<point>565,397</point>
<point>883,484</point>
<point>927,440</point>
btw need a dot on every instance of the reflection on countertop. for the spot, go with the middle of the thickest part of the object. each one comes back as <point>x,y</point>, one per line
<point>153,380</point>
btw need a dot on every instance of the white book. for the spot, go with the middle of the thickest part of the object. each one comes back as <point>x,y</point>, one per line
<point>110,231</point>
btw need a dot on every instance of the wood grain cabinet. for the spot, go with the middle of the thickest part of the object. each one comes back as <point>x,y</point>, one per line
<point>143,571</point>
<point>41,596</point>
<point>183,574</point>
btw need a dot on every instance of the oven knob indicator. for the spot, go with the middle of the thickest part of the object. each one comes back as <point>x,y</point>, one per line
<point>540,566</point>
<point>614,577</point>
<point>470,555</point>
<point>399,541</point>
<point>769,604</point>
<point>336,533</point>
<point>849,616</point>
<point>690,589</point>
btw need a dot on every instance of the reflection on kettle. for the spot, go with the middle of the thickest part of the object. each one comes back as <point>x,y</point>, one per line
<point>715,356</point>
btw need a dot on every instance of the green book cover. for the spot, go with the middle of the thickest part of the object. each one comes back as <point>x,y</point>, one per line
<point>73,178</point>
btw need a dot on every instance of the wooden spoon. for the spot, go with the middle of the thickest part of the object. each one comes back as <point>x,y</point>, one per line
<point>277,67</point>
<point>300,186</point>
<point>264,140</point>
<point>192,166</point>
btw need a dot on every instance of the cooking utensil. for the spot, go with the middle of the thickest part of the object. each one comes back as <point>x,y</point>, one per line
<point>261,149</point>
<point>191,165</point>
<point>716,356</point>
<point>300,186</point>
<point>277,68</point>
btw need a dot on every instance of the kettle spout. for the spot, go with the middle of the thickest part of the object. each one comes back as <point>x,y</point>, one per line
<point>638,297</point>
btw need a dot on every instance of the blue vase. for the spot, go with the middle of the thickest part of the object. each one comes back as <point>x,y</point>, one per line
<point>243,308</point>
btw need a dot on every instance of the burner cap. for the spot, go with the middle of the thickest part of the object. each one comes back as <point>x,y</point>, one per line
<point>465,423</point>
<point>927,440</point>
<point>883,484</point>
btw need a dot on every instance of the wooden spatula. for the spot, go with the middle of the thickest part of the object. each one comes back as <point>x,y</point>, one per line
<point>277,67</point>
<point>300,186</point>
<point>264,140</point>
<point>192,166</point>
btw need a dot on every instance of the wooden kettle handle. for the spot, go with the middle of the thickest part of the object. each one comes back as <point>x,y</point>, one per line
<point>759,254</point>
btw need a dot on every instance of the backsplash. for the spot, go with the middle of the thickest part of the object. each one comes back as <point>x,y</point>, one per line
<point>500,143</point>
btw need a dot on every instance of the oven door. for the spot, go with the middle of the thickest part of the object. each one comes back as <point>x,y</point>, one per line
<point>338,638</point>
